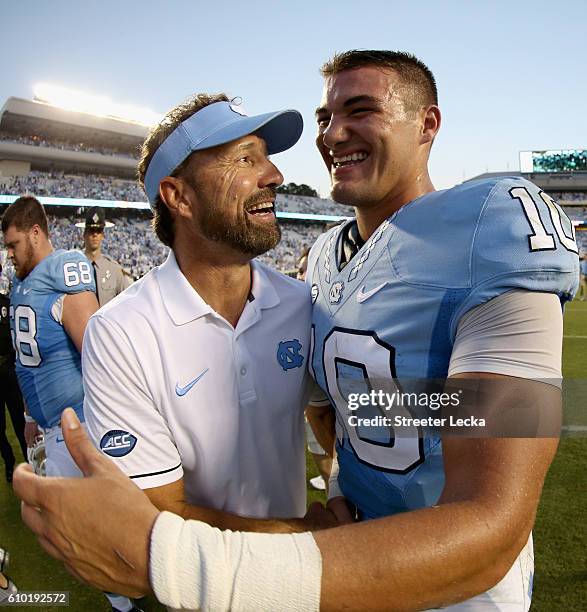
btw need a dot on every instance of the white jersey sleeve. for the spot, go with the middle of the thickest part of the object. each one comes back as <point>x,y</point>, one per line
<point>122,419</point>
<point>518,333</point>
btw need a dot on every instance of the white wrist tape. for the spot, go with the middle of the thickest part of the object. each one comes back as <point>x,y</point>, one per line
<point>197,567</point>
<point>333,488</point>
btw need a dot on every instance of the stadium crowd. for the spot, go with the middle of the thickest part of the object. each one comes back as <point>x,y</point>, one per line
<point>569,196</point>
<point>101,187</point>
<point>65,145</point>
<point>59,184</point>
<point>132,243</point>
<point>576,213</point>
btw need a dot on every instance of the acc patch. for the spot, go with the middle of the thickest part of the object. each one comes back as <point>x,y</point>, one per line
<point>314,293</point>
<point>288,354</point>
<point>336,292</point>
<point>117,443</point>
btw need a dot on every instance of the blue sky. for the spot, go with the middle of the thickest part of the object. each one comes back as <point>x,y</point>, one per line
<point>511,75</point>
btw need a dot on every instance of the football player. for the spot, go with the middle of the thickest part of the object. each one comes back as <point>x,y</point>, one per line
<point>52,298</point>
<point>467,282</point>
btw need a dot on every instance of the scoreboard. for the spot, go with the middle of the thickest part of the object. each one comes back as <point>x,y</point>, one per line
<point>568,160</point>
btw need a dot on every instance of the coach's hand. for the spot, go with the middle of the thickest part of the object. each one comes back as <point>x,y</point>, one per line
<point>99,526</point>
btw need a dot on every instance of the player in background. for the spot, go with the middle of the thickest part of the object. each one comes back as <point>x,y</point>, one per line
<point>109,275</point>
<point>467,283</point>
<point>52,299</point>
<point>10,395</point>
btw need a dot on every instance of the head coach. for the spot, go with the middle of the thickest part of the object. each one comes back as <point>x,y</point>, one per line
<point>196,376</point>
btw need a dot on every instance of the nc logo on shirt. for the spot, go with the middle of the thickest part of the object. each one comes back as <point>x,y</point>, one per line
<point>336,292</point>
<point>288,354</point>
<point>117,443</point>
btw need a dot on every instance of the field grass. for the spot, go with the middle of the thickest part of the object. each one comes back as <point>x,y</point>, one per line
<point>560,582</point>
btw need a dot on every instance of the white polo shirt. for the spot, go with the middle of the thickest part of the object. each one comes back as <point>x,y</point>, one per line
<point>172,390</point>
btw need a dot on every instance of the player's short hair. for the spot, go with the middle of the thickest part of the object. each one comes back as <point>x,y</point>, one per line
<point>24,213</point>
<point>419,84</point>
<point>162,219</point>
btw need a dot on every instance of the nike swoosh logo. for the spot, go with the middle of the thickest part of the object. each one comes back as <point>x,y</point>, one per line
<point>363,295</point>
<point>25,291</point>
<point>181,391</point>
<point>59,440</point>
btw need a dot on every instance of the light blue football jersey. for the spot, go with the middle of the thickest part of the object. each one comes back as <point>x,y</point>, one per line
<point>392,313</point>
<point>48,364</point>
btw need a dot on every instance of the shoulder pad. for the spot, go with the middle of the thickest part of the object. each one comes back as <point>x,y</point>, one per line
<point>316,250</point>
<point>523,240</point>
<point>70,272</point>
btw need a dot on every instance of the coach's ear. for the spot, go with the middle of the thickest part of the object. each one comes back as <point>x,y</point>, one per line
<point>175,193</point>
<point>87,457</point>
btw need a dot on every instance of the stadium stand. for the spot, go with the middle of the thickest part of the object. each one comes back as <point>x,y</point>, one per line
<point>133,244</point>
<point>38,141</point>
<point>103,187</point>
<point>59,184</point>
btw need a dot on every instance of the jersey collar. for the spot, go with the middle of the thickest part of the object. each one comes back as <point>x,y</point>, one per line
<point>184,304</point>
<point>181,300</point>
<point>262,290</point>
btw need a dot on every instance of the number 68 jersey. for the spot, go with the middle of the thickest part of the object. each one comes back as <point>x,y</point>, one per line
<point>48,365</point>
<point>392,313</point>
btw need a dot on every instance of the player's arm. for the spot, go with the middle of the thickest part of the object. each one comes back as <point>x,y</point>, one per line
<point>77,310</point>
<point>171,497</point>
<point>451,552</point>
<point>322,420</point>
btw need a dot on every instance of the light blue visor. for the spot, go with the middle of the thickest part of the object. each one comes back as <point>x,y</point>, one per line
<point>218,124</point>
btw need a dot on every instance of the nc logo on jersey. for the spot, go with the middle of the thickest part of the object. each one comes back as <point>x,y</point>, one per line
<point>314,293</point>
<point>288,354</point>
<point>336,292</point>
<point>117,443</point>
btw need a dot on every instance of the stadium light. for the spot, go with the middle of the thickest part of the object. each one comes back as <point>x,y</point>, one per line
<point>101,106</point>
